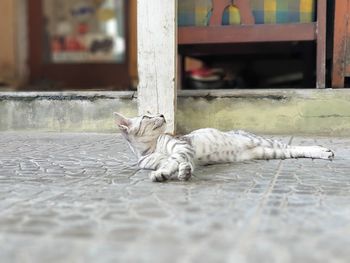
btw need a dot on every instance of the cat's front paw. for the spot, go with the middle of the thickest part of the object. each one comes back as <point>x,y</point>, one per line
<point>159,175</point>
<point>185,171</point>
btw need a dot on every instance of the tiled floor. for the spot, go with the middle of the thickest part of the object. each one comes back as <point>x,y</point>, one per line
<point>80,198</point>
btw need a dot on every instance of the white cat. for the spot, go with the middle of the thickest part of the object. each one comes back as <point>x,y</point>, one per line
<point>172,157</point>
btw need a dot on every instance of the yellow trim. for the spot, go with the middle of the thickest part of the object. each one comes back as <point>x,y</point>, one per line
<point>306,6</point>
<point>270,7</point>
<point>234,15</point>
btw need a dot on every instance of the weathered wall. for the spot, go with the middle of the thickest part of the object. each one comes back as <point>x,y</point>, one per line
<point>322,112</point>
<point>267,111</point>
<point>64,112</point>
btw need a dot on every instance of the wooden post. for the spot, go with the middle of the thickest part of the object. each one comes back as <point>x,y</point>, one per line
<point>13,42</point>
<point>321,44</point>
<point>8,58</point>
<point>133,42</point>
<point>342,9</point>
<point>157,53</point>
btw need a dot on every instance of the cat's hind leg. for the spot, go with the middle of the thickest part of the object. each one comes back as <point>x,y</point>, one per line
<point>267,153</point>
<point>314,152</point>
<point>258,147</point>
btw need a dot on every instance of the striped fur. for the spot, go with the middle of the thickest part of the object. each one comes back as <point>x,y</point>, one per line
<point>170,156</point>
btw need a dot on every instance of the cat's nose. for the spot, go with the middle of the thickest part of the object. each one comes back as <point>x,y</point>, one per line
<point>162,116</point>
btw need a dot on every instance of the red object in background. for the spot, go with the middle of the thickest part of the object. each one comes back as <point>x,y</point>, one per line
<point>73,44</point>
<point>56,45</point>
<point>206,74</point>
<point>202,72</point>
<point>82,28</point>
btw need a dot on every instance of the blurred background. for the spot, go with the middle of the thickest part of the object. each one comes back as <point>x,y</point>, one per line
<point>91,44</point>
<point>53,45</point>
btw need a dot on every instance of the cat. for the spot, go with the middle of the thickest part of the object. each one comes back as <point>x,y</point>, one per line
<point>175,157</point>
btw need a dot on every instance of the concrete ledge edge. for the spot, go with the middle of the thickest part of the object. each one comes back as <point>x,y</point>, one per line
<point>67,95</point>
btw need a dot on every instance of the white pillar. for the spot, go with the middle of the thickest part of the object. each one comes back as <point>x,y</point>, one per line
<point>157,52</point>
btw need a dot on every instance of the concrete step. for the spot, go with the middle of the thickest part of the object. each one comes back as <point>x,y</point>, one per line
<point>322,112</point>
<point>63,111</point>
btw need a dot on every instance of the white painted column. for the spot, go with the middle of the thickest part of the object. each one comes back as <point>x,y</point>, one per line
<point>157,53</point>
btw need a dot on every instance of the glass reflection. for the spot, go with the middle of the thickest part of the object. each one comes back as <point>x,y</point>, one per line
<point>84,31</point>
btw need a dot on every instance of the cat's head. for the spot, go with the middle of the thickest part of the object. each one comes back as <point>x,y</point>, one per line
<point>141,132</point>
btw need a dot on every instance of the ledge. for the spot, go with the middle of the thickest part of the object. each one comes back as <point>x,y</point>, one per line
<point>277,94</point>
<point>66,95</point>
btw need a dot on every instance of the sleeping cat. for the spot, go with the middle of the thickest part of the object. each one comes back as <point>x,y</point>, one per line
<point>175,157</point>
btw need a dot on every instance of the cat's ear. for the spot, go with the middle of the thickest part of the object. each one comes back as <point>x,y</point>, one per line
<point>122,122</point>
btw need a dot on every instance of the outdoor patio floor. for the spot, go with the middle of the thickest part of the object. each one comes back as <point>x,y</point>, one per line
<point>80,198</point>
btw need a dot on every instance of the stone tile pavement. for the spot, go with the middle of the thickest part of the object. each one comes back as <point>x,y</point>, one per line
<point>79,198</point>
